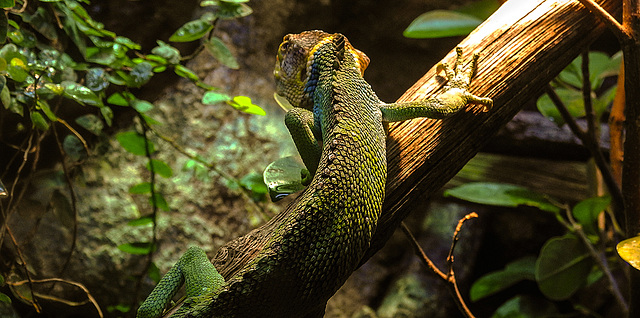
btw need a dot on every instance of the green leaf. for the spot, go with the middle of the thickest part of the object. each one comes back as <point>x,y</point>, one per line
<point>7,3</point>
<point>120,98</point>
<point>500,194</point>
<point>127,42</point>
<point>168,52</point>
<point>81,94</point>
<point>571,98</point>
<point>74,148</point>
<point>154,272</point>
<point>221,53</point>
<point>107,114</point>
<point>96,79</point>
<point>5,299</point>
<point>44,106</point>
<point>92,123</point>
<point>254,183</point>
<point>139,248</point>
<point>586,212</point>
<point>231,10</point>
<point>186,73</point>
<point>141,74</point>
<point>143,221</point>
<point>159,202</point>
<point>562,267</point>
<point>212,98</point>
<point>629,251</point>
<point>244,104</point>
<point>141,105</point>
<point>481,9</point>
<point>441,23</point>
<point>160,167</point>
<point>523,306</point>
<point>17,69</point>
<point>140,188</point>
<point>134,143</point>
<point>191,31</point>
<point>284,177</point>
<point>514,272</point>
<point>38,121</point>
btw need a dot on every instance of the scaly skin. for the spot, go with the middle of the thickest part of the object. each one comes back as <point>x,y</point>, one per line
<point>337,127</point>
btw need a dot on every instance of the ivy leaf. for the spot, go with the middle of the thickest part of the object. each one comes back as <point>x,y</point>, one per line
<point>120,98</point>
<point>586,212</point>
<point>221,52</point>
<point>107,114</point>
<point>243,103</point>
<point>572,99</point>
<point>562,267</point>
<point>500,194</point>
<point>96,79</point>
<point>141,105</point>
<point>232,9</point>
<point>139,248</point>
<point>191,31</point>
<point>160,167</point>
<point>134,143</point>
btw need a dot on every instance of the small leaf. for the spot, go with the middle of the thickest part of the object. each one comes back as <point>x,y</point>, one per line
<point>139,248</point>
<point>283,177</point>
<point>7,3</point>
<point>141,74</point>
<point>221,52</point>
<point>514,272</point>
<point>231,10</point>
<point>143,221</point>
<point>140,188</point>
<point>81,94</point>
<point>134,143</point>
<point>74,148</point>
<point>244,104</point>
<point>92,123</point>
<point>524,306</point>
<point>159,202</point>
<point>168,52</point>
<point>500,194</point>
<point>629,250</point>
<point>186,73</point>
<point>586,212</point>
<point>44,106</point>
<point>562,267</point>
<point>160,167</point>
<point>107,114</point>
<point>212,98</point>
<point>191,31</point>
<point>38,121</point>
<point>5,299</point>
<point>96,79</point>
<point>120,99</point>
<point>141,105</point>
<point>441,23</point>
<point>571,98</point>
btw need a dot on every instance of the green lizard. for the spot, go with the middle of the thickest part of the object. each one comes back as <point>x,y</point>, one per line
<point>337,126</point>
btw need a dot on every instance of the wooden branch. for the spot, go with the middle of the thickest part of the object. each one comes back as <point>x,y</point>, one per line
<point>523,46</point>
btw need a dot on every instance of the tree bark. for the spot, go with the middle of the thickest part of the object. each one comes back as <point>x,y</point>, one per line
<point>523,46</point>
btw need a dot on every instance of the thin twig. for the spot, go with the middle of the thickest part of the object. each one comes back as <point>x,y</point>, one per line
<point>449,277</point>
<point>613,25</point>
<point>600,259</point>
<point>60,280</point>
<point>596,153</point>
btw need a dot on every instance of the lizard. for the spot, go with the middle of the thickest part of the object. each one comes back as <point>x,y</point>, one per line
<point>336,124</point>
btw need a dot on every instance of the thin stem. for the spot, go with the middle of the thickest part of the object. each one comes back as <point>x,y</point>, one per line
<point>613,25</point>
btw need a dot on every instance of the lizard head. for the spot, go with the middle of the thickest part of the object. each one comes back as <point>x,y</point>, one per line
<point>295,61</point>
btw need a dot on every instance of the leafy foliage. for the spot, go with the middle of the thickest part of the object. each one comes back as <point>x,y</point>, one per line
<point>445,23</point>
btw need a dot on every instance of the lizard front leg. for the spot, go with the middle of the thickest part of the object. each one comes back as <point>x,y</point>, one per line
<point>195,271</point>
<point>301,125</point>
<point>453,98</point>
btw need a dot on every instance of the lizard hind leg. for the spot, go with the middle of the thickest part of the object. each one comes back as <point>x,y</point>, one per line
<point>194,270</point>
